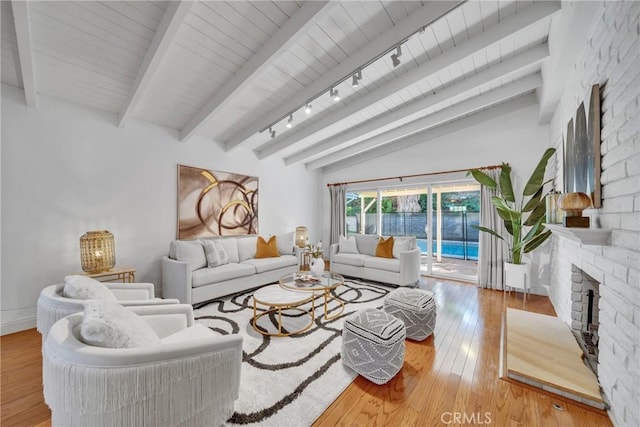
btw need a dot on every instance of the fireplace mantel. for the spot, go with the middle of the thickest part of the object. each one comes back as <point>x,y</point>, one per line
<point>586,236</point>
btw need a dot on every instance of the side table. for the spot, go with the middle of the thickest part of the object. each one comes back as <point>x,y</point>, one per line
<point>306,259</point>
<point>116,274</point>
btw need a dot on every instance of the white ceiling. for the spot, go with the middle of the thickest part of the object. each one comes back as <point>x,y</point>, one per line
<point>227,70</point>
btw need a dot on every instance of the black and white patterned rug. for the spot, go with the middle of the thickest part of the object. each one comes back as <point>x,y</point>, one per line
<point>289,380</point>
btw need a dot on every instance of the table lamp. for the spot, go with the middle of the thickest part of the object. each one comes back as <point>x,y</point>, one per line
<point>97,251</point>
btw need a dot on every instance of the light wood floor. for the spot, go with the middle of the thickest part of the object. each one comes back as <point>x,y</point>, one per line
<point>448,379</point>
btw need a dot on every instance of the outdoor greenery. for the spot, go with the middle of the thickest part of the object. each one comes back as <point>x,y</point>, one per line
<point>470,200</point>
<point>513,211</point>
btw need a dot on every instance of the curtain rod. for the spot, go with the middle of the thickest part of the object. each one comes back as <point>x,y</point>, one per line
<point>410,176</point>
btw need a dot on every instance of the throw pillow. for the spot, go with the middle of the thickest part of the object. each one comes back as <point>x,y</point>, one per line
<point>214,252</point>
<point>285,243</point>
<point>385,247</point>
<point>401,244</point>
<point>83,287</point>
<point>266,249</point>
<point>108,324</point>
<point>347,245</point>
<point>191,252</point>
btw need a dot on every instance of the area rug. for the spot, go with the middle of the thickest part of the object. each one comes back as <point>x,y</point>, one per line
<point>289,380</point>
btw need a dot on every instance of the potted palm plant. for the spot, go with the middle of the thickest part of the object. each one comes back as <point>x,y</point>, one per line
<point>523,216</point>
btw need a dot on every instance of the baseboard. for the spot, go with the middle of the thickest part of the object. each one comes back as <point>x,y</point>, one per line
<point>19,325</point>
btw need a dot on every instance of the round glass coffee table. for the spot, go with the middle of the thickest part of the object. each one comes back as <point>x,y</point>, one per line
<point>279,299</point>
<point>325,283</point>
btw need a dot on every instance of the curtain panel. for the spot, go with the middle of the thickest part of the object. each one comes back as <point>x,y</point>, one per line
<point>493,251</point>
<point>338,211</point>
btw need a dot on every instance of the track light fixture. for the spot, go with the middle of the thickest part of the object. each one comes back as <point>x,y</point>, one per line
<point>356,79</point>
<point>395,58</point>
<point>290,121</point>
<point>334,94</point>
<point>272,132</point>
<point>307,109</point>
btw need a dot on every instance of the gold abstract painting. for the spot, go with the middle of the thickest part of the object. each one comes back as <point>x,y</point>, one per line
<point>214,203</point>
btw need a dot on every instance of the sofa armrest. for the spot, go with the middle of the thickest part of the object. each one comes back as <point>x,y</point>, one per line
<point>409,267</point>
<point>176,280</point>
<point>333,250</point>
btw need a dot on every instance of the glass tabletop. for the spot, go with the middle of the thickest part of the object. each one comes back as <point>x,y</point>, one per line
<point>304,280</point>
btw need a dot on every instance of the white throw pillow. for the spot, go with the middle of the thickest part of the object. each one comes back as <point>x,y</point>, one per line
<point>285,243</point>
<point>191,252</point>
<point>231,248</point>
<point>83,287</point>
<point>401,245</point>
<point>214,252</point>
<point>108,324</point>
<point>247,247</point>
<point>347,245</point>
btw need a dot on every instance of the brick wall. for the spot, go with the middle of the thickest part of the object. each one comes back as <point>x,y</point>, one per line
<point>611,58</point>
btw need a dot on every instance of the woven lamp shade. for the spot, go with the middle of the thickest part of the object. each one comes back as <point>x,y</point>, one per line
<point>97,251</point>
<point>302,235</point>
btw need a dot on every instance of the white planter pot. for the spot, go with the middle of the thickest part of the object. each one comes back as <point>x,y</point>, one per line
<point>317,266</point>
<point>517,275</point>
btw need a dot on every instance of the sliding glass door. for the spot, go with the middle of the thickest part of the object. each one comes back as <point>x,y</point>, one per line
<point>440,215</point>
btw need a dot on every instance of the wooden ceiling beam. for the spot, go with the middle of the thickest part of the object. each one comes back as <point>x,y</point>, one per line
<point>301,21</point>
<point>172,19</point>
<point>469,106</point>
<point>469,47</point>
<point>394,35</point>
<point>25,51</point>
<point>498,71</point>
<point>436,132</point>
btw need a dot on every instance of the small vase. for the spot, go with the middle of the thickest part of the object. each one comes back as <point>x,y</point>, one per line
<point>317,266</point>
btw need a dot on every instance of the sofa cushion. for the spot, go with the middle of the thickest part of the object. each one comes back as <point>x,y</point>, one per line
<point>388,264</point>
<point>356,260</point>
<point>267,264</point>
<point>285,243</point>
<point>85,288</point>
<point>206,276</point>
<point>385,247</point>
<point>403,244</point>
<point>367,243</point>
<point>214,252</point>
<point>267,249</point>
<point>108,324</point>
<point>189,251</point>
<point>246,247</point>
<point>347,245</point>
<point>230,246</point>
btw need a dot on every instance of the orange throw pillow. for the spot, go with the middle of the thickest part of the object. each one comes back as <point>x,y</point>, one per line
<point>385,248</point>
<point>267,249</point>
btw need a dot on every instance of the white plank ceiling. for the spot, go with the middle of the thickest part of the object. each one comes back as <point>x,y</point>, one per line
<point>229,70</point>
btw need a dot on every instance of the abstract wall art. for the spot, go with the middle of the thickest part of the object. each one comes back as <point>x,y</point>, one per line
<point>582,149</point>
<point>215,203</point>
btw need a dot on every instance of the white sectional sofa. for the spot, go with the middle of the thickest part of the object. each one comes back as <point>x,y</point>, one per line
<point>402,270</point>
<point>185,274</point>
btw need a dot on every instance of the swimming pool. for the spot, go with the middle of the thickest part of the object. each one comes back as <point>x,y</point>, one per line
<point>452,249</point>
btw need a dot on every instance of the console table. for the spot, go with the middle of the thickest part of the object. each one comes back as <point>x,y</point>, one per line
<point>116,274</point>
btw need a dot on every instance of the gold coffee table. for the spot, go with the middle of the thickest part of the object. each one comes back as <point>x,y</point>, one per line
<point>278,299</point>
<point>325,283</point>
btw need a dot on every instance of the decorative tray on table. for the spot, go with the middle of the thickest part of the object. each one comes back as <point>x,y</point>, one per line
<point>304,280</point>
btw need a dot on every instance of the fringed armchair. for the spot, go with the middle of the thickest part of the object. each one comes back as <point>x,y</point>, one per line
<point>190,378</point>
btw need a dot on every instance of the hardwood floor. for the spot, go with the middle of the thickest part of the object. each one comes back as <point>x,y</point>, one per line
<point>448,379</point>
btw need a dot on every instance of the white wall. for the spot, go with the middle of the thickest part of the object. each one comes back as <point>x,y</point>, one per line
<point>610,57</point>
<point>515,138</point>
<point>67,169</point>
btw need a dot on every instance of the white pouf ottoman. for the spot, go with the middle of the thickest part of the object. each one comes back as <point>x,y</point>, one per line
<point>416,308</point>
<point>373,344</point>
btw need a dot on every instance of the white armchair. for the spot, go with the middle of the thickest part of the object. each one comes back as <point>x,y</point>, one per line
<point>53,305</point>
<point>191,378</point>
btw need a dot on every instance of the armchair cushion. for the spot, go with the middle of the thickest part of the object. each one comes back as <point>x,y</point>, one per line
<point>191,333</point>
<point>83,288</point>
<point>108,324</point>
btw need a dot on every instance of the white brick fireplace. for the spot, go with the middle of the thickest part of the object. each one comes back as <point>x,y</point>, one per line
<point>611,58</point>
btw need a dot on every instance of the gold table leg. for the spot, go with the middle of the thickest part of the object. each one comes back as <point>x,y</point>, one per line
<point>327,294</point>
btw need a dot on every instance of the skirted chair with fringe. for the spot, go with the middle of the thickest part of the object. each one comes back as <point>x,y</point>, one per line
<point>191,377</point>
<point>53,305</point>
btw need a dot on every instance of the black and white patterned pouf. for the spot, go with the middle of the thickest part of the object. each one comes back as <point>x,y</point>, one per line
<point>416,308</point>
<point>373,344</point>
